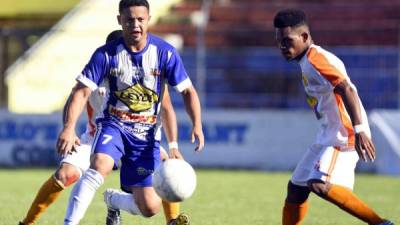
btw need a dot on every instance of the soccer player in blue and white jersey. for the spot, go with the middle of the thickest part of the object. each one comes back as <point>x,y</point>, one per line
<point>74,164</point>
<point>134,70</point>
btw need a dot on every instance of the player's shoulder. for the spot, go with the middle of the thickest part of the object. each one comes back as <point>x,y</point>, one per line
<point>160,43</point>
<point>316,53</point>
<point>316,50</point>
<point>109,48</point>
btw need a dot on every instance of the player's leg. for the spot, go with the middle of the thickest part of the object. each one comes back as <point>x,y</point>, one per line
<point>333,180</point>
<point>147,200</point>
<point>137,167</point>
<point>47,194</point>
<point>87,186</point>
<point>172,209</point>
<point>68,173</point>
<point>107,144</point>
<point>296,202</point>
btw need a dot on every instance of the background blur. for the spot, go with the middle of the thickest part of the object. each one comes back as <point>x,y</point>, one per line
<point>255,113</point>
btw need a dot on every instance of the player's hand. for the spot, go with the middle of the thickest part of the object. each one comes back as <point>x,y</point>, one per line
<point>174,153</point>
<point>197,135</point>
<point>364,147</point>
<point>67,141</point>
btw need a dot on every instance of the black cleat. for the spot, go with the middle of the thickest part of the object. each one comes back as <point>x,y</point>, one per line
<point>113,217</point>
<point>182,219</point>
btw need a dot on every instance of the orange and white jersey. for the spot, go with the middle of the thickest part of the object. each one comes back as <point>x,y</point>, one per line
<point>81,158</point>
<point>93,109</point>
<point>321,72</point>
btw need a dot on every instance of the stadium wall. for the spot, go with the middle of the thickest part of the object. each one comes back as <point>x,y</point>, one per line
<point>241,139</point>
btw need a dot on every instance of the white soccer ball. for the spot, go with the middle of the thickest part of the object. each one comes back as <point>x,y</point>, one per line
<point>174,180</point>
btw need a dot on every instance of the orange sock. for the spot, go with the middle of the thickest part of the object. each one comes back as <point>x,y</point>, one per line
<point>345,199</point>
<point>171,210</point>
<point>47,194</point>
<point>293,214</point>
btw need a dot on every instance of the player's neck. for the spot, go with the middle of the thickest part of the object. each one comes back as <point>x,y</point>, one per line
<point>301,55</point>
<point>136,46</point>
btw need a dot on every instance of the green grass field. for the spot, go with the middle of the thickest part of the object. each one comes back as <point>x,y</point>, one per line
<point>221,198</point>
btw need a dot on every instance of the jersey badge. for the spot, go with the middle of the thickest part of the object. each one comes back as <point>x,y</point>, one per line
<point>137,97</point>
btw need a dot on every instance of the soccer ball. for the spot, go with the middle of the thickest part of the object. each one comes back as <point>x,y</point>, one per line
<point>174,180</point>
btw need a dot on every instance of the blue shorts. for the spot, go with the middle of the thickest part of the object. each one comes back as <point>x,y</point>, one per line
<point>138,158</point>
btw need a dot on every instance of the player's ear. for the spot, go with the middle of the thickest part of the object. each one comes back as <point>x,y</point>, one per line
<point>305,36</point>
<point>119,19</point>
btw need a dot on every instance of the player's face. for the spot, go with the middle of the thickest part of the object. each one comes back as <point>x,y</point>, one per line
<point>290,42</point>
<point>134,21</point>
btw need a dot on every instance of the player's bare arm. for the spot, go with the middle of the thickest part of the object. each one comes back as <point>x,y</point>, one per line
<point>193,108</point>
<point>169,123</point>
<point>351,102</point>
<point>67,138</point>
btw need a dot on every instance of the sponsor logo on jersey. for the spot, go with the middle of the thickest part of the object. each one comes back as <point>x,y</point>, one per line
<point>132,117</point>
<point>141,171</point>
<point>313,103</point>
<point>115,72</point>
<point>305,80</point>
<point>155,72</point>
<point>137,97</point>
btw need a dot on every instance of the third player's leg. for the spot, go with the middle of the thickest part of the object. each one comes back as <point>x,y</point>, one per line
<point>67,174</point>
<point>74,164</point>
<point>296,204</point>
<point>297,194</point>
<point>333,180</point>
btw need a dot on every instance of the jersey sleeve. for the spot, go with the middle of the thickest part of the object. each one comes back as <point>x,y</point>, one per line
<point>93,73</point>
<point>175,72</point>
<point>328,67</point>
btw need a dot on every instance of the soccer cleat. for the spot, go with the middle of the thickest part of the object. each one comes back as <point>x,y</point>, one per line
<point>182,219</point>
<point>387,222</point>
<point>113,215</point>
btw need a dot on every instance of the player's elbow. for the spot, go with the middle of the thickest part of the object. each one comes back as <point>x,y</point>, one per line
<point>344,88</point>
<point>81,90</point>
<point>189,91</point>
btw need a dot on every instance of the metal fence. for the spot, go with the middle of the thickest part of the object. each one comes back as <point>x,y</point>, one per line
<point>261,78</point>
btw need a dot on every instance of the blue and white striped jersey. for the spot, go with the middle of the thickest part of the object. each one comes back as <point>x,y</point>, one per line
<point>135,82</point>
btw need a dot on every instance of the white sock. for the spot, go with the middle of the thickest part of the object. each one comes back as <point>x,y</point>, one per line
<point>82,195</point>
<point>124,201</point>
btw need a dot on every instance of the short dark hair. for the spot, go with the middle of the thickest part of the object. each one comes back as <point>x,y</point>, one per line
<point>114,35</point>
<point>290,18</point>
<point>123,4</point>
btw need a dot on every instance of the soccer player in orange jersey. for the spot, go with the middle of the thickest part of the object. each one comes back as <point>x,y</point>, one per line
<point>327,168</point>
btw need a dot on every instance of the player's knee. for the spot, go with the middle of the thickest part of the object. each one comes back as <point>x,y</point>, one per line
<point>149,209</point>
<point>67,175</point>
<point>319,187</point>
<point>102,163</point>
<point>297,194</point>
